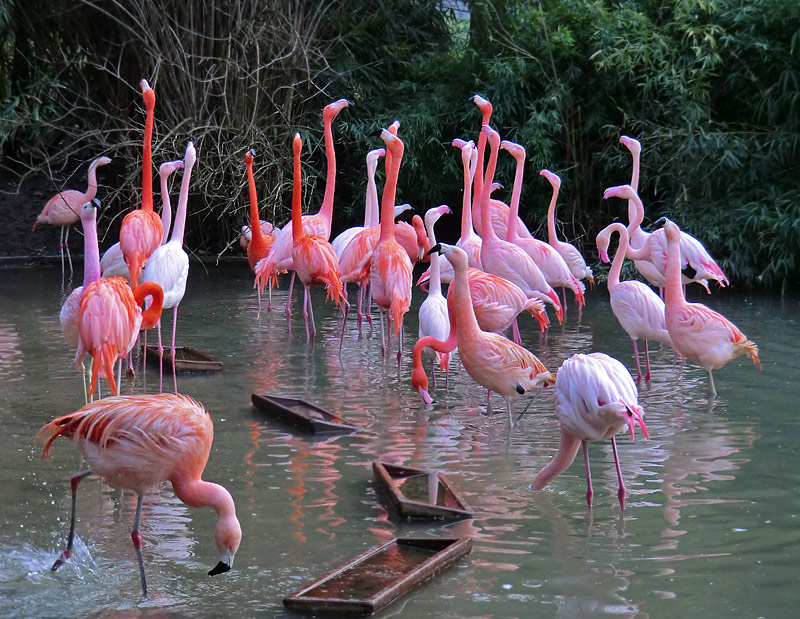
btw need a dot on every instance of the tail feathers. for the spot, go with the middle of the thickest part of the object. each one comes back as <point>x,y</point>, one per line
<point>104,360</point>
<point>578,289</point>
<point>63,426</point>
<point>334,288</point>
<point>265,274</point>
<point>398,310</point>
<point>750,349</point>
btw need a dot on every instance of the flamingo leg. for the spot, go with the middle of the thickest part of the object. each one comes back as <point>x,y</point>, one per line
<point>368,310</point>
<point>66,247</point>
<point>288,309</point>
<point>359,300</point>
<point>399,346</point>
<point>258,315</point>
<point>67,553</point>
<point>508,409</point>
<point>160,359</point>
<point>383,339</point>
<point>174,329</point>
<point>713,392</point>
<point>311,313</point>
<point>647,362</point>
<point>61,249</point>
<point>345,311</point>
<point>433,373</point>
<point>638,366</point>
<point>589,491</point>
<point>136,537</point>
<point>621,491</point>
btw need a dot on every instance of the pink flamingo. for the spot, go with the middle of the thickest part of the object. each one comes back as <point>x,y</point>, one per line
<point>489,358</point>
<point>434,319</point>
<point>245,236</point>
<point>136,442</point>
<point>570,254</point>
<point>639,310</point>
<point>64,209</point>
<point>112,263</point>
<point>505,259</point>
<point>168,266</point>
<point>313,257</point>
<point>390,276</point>
<point>699,333</point>
<point>109,319</point>
<point>141,229</point>
<point>552,265</point>
<point>280,254</point>
<point>260,243</point>
<point>595,399</point>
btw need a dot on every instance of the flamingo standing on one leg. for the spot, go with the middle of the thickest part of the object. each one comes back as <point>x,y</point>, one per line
<point>141,229</point>
<point>390,271</point>
<point>168,266</point>
<point>434,319</point>
<point>136,442</point>
<point>260,243</point>
<point>570,254</point>
<point>595,398</point>
<point>64,209</point>
<point>639,310</point>
<point>699,333</point>
<point>313,257</point>
<point>492,360</point>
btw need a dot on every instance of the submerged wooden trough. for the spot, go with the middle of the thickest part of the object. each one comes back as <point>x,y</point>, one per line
<point>301,414</point>
<point>186,359</point>
<point>417,493</point>
<point>378,576</point>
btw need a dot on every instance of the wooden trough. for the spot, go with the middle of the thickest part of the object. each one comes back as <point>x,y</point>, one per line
<point>378,576</point>
<point>301,414</point>
<point>186,359</point>
<point>417,493</point>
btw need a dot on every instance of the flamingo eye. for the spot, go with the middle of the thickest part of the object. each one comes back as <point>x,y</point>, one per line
<point>600,402</point>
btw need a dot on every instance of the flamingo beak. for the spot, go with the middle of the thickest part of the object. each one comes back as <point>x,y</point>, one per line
<point>435,249</point>
<point>635,417</point>
<point>603,255</point>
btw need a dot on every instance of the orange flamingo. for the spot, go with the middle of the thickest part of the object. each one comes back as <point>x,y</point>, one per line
<point>492,360</point>
<point>109,320</point>
<point>136,442</point>
<point>260,243</point>
<point>639,310</point>
<point>390,268</point>
<point>595,399</point>
<point>699,333</point>
<point>313,258</point>
<point>246,235</point>
<point>570,254</point>
<point>64,209</point>
<point>141,230</point>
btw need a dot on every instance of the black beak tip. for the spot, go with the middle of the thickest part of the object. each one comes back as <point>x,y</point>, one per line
<point>220,568</point>
<point>435,249</point>
<point>519,389</point>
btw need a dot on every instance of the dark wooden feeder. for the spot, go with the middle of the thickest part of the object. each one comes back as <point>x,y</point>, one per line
<point>186,359</point>
<point>417,493</point>
<point>379,576</point>
<point>302,414</point>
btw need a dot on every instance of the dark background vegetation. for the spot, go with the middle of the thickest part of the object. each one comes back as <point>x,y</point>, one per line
<point>711,88</point>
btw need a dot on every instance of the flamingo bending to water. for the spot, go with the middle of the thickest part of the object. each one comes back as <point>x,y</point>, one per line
<point>64,209</point>
<point>136,442</point>
<point>595,399</point>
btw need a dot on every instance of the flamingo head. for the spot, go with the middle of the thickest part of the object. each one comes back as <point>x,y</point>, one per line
<point>671,229</point>
<point>432,215</point>
<point>423,244</point>
<point>467,151</point>
<point>424,280</point>
<point>393,144</point>
<point>89,210</point>
<point>100,161</point>
<point>632,145</point>
<point>484,106</point>
<point>168,167</point>
<point>372,158</point>
<point>626,192</point>
<point>516,150</point>
<point>228,536</point>
<point>190,156</point>
<point>399,209</point>
<point>459,143</point>
<point>297,144</point>
<point>394,127</point>
<point>494,137</point>
<point>455,255</point>
<point>148,94</point>
<point>635,416</point>
<point>554,179</point>
<point>332,109</point>
<point>248,157</point>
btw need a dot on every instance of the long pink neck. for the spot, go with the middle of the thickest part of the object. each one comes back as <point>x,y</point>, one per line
<point>512,235</point>
<point>199,493</point>
<point>619,256</point>
<point>635,217</point>
<point>478,182</point>
<point>91,251</point>
<point>635,184</point>
<point>552,235</point>
<point>147,157</point>
<point>487,230</point>
<point>435,282</point>
<point>371,205</point>
<point>326,210</point>
<point>91,190</point>
<point>466,203</point>
<point>673,295</point>
<point>462,303</point>
<point>255,220</point>
<point>567,450</point>
<point>297,196</point>
<point>395,154</point>
<point>183,200</point>
<point>166,208</point>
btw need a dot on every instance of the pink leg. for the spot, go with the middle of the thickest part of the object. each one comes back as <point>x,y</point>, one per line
<point>258,289</point>
<point>67,553</point>
<point>174,328</point>
<point>160,359</point>
<point>359,313</point>
<point>621,491</point>
<point>288,309</point>
<point>589,491</point>
<point>638,367</point>
<point>136,537</point>
<point>311,314</point>
<point>647,362</point>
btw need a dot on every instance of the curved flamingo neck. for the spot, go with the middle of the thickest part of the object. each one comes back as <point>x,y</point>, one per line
<point>567,450</point>
<point>297,196</point>
<point>387,163</point>
<point>467,230</point>
<point>632,207</point>
<point>326,210</point>
<point>486,223</point>
<point>619,255</point>
<point>91,250</point>
<point>394,152</point>
<point>152,314</point>
<point>486,115</point>
<point>183,201</point>
<point>166,206</point>
<point>435,282</point>
<point>255,223</point>
<point>552,235</point>
<point>673,294</point>
<point>91,189</point>
<point>635,220</point>
<point>147,152</point>
<point>371,205</point>
<point>512,234</point>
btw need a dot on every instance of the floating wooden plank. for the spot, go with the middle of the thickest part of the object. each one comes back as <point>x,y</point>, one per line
<point>379,576</point>
<point>186,359</point>
<point>302,414</point>
<point>417,493</point>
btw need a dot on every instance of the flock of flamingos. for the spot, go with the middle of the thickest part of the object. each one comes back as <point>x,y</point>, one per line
<point>495,271</point>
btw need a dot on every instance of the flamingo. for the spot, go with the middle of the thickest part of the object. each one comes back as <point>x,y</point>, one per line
<point>489,358</point>
<point>595,398</point>
<point>260,243</point>
<point>552,265</point>
<point>433,315</point>
<point>280,254</point>
<point>64,209</point>
<point>313,257</point>
<point>112,263</point>
<point>639,310</point>
<point>245,236</point>
<point>141,229</point>
<point>136,442</point>
<point>390,276</point>
<point>168,265</point>
<point>109,320</point>
<point>699,333</point>
<point>505,259</point>
<point>570,254</point>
